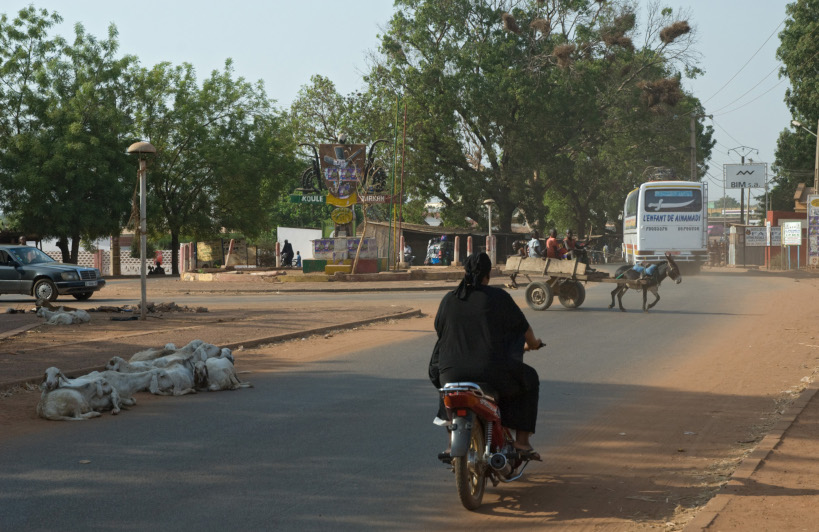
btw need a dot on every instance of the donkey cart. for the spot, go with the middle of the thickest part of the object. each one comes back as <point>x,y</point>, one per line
<point>562,278</point>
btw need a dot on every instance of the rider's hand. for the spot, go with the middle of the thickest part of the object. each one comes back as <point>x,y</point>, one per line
<point>536,346</point>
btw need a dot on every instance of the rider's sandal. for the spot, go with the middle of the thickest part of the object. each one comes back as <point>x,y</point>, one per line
<point>529,454</point>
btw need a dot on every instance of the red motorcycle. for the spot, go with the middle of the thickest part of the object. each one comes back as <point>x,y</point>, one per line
<point>481,447</point>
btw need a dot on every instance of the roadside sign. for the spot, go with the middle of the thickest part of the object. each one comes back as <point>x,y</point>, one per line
<point>746,175</point>
<point>307,198</point>
<point>813,230</point>
<point>756,237</point>
<point>792,234</point>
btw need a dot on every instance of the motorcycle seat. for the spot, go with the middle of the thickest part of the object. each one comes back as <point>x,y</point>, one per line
<point>481,389</point>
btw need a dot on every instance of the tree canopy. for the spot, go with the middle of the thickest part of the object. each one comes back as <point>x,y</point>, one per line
<point>799,53</point>
<point>518,101</point>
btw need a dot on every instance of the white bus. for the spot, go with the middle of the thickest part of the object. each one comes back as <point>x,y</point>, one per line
<point>666,216</point>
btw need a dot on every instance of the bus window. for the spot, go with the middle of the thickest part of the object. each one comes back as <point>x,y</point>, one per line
<point>631,204</point>
<point>673,200</point>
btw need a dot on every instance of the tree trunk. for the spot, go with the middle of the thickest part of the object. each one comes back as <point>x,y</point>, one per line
<point>175,253</point>
<point>75,249</point>
<point>62,245</point>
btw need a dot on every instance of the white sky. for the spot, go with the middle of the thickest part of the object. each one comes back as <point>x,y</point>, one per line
<point>284,43</point>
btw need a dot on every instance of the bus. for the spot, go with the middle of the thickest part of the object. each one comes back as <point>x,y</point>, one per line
<point>666,216</point>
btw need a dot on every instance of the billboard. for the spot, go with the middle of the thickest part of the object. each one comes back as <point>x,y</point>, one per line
<point>746,175</point>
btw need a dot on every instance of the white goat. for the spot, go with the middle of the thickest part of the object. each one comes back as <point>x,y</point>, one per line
<point>218,374</point>
<point>173,380</point>
<point>98,393</point>
<point>151,354</point>
<point>63,317</point>
<point>64,404</point>
<point>121,365</point>
<point>127,384</point>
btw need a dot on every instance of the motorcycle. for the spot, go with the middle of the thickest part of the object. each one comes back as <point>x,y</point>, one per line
<point>481,447</point>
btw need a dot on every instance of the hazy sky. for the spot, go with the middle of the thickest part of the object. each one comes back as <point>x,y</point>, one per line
<point>284,43</point>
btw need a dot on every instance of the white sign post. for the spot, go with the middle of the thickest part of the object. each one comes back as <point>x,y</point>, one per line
<point>792,236</point>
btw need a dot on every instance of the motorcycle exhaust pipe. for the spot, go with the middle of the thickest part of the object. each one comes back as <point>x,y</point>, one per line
<point>499,463</point>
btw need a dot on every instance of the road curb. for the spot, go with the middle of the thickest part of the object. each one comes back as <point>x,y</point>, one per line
<point>246,344</point>
<point>320,330</point>
<point>19,330</point>
<point>740,477</point>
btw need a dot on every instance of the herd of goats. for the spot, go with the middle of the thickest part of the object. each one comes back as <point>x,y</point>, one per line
<point>162,371</point>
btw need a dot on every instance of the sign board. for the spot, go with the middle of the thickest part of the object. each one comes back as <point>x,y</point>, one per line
<point>746,175</point>
<point>813,230</point>
<point>792,234</point>
<point>756,237</point>
<point>376,198</point>
<point>342,166</point>
<point>307,198</point>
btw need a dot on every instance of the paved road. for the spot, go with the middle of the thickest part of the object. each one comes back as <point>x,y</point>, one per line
<point>341,444</point>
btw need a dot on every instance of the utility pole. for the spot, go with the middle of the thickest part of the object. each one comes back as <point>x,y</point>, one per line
<point>743,151</point>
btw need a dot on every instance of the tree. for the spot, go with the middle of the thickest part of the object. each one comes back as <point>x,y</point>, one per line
<point>510,100</point>
<point>223,153</point>
<point>799,52</point>
<point>65,122</point>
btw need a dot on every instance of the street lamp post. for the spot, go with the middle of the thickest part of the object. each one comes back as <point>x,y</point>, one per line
<point>797,123</point>
<point>489,203</point>
<point>142,149</point>
<point>490,244</point>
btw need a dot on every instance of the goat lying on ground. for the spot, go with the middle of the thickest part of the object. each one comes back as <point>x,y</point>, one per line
<point>97,392</point>
<point>217,374</point>
<point>126,384</point>
<point>63,317</point>
<point>173,380</point>
<point>151,354</point>
<point>64,404</point>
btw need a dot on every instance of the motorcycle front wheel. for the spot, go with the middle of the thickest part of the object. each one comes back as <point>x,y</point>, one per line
<point>470,470</point>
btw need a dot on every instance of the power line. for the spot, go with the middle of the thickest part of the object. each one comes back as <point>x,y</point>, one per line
<point>726,132</point>
<point>746,63</point>
<point>755,99</point>
<point>777,67</point>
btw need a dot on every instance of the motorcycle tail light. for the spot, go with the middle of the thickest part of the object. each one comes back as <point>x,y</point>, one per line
<point>461,413</point>
<point>461,400</point>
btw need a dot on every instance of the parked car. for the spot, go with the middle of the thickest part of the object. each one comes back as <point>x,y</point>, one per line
<point>27,270</point>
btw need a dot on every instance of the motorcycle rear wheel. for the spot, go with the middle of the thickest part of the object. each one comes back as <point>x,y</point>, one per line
<point>470,470</point>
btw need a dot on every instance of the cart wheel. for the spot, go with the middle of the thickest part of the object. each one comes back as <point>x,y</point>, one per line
<point>572,294</point>
<point>539,295</point>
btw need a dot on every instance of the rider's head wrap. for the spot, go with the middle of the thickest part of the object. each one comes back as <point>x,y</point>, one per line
<point>476,267</point>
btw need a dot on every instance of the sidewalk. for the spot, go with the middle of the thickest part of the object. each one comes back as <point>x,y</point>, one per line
<point>774,488</point>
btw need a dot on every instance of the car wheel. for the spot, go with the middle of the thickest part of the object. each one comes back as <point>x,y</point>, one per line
<point>45,289</point>
<point>82,296</point>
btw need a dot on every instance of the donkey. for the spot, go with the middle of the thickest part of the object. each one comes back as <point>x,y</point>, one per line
<point>651,282</point>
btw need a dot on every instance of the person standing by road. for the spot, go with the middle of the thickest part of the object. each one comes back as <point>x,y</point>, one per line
<point>287,254</point>
<point>482,334</point>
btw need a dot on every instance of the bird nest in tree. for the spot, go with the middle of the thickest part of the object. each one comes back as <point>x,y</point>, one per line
<point>509,23</point>
<point>563,54</point>
<point>543,25</point>
<point>666,91</point>
<point>670,33</point>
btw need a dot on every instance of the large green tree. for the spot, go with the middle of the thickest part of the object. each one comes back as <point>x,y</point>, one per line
<point>511,100</point>
<point>224,153</point>
<point>799,53</point>
<point>64,123</point>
